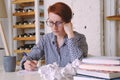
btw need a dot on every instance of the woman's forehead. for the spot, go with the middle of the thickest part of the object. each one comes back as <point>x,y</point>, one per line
<point>54,17</point>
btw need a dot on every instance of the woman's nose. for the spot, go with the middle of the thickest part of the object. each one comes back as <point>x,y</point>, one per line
<point>55,27</point>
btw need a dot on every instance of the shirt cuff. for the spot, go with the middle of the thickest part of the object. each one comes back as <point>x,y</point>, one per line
<point>22,65</point>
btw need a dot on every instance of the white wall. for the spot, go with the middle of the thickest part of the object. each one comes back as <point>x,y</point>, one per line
<point>118,28</point>
<point>87,13</point>
<point>118,49</point>
<point>111,29</point>
<point>88,19</point>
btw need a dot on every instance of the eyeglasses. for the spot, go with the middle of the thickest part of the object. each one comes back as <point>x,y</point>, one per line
<point>57,23</point>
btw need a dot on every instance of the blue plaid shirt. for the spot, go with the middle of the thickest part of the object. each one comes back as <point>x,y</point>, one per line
<point>71,49</point>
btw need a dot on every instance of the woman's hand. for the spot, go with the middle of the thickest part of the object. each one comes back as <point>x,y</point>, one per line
<point>69,30</point>
<point>30,65</point>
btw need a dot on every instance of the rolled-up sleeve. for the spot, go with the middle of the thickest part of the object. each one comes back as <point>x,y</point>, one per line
<point>36,52</point>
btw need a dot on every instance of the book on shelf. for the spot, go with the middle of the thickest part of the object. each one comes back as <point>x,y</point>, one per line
<point>102,60</point>
<point>99,74</point>
<point>99,67</point>
<point>84,77</point>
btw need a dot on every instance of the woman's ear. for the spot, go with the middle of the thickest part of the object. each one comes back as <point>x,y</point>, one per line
<point>72,15</point>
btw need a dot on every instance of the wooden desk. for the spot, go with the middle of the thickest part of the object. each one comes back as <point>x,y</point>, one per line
<point>18,75</point>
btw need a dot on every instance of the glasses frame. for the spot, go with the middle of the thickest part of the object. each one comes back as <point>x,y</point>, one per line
<point>57,23</point>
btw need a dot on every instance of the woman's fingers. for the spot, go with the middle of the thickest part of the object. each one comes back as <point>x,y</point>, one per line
<point>30,65</point>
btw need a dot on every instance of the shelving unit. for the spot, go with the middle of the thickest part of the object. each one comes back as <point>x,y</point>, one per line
<point>37,23</point>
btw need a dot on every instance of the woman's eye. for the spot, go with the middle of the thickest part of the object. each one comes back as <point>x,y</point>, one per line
<point>51,22</point>
<point>58,22</point>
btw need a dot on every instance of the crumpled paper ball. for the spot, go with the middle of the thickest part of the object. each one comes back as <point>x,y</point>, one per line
<point>68,71</point>
<point>54,72</point>
<point>76,63</point>
<point>50,72</point>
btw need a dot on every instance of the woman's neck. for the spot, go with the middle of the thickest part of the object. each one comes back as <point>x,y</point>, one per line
<point>60,40</point>
<point>61,36</point>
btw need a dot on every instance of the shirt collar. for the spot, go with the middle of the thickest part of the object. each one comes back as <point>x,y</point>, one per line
<point>65,39</point>
<point>53,40</point>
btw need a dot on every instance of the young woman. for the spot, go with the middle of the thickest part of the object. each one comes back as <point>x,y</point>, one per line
<point>62,45</point>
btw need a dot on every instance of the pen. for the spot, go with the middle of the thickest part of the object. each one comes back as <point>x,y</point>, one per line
<point>27,57</point>
<point>30,59</point>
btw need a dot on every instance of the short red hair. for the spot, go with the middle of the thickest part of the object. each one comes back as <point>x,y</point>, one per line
<point>61,9</point>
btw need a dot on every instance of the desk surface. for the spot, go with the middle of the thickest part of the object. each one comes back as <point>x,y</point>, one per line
<point>20,75</point>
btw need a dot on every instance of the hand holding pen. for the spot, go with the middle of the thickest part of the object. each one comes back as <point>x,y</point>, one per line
<point>29,64</point>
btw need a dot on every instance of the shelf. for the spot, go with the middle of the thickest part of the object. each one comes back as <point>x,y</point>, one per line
<point>21,51</point>
<point>27,26</point>
<point>117,18</point>
<point>18,63</point>
<point>24,26</point>
<point>21,1</point>
<point>27,4</point>
<point>24,38</point>
<point>42,62</point>
<point>24,14</point>
<point>30,4</point>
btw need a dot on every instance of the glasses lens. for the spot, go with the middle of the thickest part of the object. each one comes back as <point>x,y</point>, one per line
<point>58,23</point>
<point>50,23</point>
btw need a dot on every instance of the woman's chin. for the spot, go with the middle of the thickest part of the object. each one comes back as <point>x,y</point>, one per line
<point>56,33</point>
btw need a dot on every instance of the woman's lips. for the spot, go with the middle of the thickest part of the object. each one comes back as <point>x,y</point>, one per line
<point>55,31</point>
